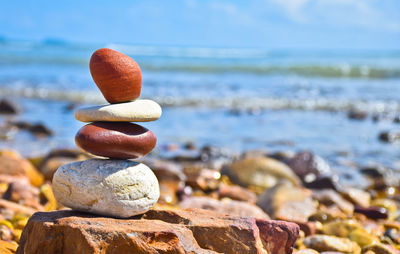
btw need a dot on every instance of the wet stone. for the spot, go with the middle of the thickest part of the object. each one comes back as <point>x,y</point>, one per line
<point>357,115</point>
<point>389,136</point>
<point>309,166</point>
<point>372,212</point>
<point>9,107</point>
<point>324,182</point>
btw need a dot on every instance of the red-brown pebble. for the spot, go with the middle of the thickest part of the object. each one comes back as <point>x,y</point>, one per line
<point>116,140</point>
<point>118,76</point>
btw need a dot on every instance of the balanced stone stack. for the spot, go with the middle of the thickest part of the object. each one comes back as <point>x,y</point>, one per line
<point>114,185</point>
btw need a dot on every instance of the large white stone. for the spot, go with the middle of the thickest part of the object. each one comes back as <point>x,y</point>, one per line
<point>118,188</point>
<point>134,111</point>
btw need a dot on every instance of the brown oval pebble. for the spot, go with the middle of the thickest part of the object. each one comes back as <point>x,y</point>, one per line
<point>118,76</point>
<point>372,212</point>
<point>116,140</point>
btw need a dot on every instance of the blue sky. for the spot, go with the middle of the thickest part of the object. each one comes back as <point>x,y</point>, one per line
<point>243,23</point>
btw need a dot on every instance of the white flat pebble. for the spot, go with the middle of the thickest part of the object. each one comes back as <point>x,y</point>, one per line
<point>118,188</point>
<point>135,111</point>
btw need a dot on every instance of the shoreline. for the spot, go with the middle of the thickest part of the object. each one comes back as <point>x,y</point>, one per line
<point>338,137</point>
<point>223,183</point>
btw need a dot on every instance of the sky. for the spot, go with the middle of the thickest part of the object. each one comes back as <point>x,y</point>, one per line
<point>322,24</point>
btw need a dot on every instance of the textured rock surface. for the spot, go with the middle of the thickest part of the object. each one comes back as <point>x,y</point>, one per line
<point>228,234</point>
<point>118,188</point>
<point>118,76</point>
<point>227,206</point>
<point>135,111</point>
<point>157,231</point>
<point>116,140</point>
<point>70,232</point>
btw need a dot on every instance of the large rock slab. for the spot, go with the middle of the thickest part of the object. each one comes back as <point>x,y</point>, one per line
<point>119,188</point>
<point>71,232</point>
<point>157,231</point>
<point>226,206</point>
<point>229,234</point>
<point>135,111</point>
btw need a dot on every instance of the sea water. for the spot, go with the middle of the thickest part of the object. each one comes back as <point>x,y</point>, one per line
<point>233,98</point>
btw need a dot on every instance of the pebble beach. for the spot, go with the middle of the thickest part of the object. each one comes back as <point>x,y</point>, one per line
<point>308,164</point>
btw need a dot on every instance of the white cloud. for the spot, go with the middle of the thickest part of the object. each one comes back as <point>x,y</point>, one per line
<point>361,13</point>
<point>293,8</point>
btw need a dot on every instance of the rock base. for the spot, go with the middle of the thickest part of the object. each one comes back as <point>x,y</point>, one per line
<point>157,231</point>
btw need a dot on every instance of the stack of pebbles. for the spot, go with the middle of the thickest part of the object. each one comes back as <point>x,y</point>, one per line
<point>116,186</point>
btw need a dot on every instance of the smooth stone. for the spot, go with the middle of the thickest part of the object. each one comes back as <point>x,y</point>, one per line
<point>118,188</point>
<point>341,228</point>
<point>362,237</point>
<point>331,243</point>
<point>330,197</point>
<point>135,111</point>
<point>306,251</point>
<point>357,196</point>
<point>116,140</point>
<point>261,172</point>
<point>118,76</point>
<point>379,248</point>
<point>287,202</point>
<point>309,166</point>
<point>372,212</point>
